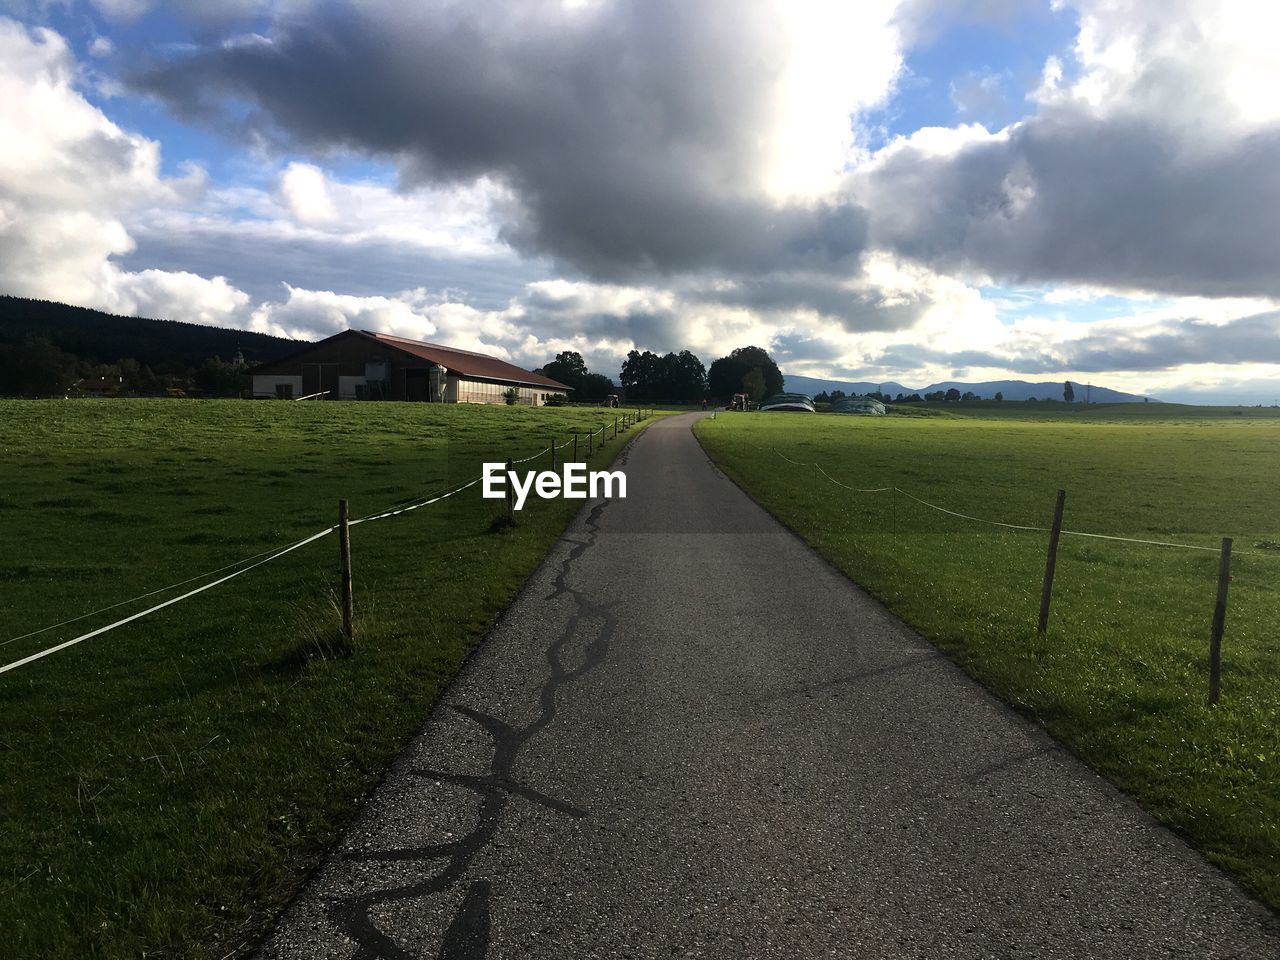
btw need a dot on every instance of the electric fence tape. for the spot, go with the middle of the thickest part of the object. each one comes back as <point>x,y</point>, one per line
<point>1014,526</point>
<point>265,557</point>
<point>160,606</point>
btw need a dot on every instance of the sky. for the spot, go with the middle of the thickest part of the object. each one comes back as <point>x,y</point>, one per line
<point>908,190</point>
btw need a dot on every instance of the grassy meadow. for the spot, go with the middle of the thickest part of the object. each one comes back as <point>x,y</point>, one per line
<point>1122,675</point>
<point>165,787</point>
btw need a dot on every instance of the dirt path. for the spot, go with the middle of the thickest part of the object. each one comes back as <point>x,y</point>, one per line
<point>691,737</point>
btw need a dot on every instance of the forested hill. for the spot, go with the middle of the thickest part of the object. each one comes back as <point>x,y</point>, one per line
<point>166,346</point>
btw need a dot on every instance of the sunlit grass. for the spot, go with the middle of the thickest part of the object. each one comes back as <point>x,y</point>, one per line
<point>165,787</point>
<point>1122,674</point>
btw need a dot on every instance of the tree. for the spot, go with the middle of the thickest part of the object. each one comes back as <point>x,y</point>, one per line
<point>568,368</point>
<point>642,375</point>
<point>822,398</point>
<point>726,376</point>
<point>999,395</point>
<point>596,386</point>
<point>35,368</point>
<point>968,396</point>
<point>753,384</point>
<point>1068,394</point>
<point>676,377</point>
<point>684,377</point>
<point>221,379</point>
<point>138,378</point>
<point>837,395</point>
<point>952,395</point>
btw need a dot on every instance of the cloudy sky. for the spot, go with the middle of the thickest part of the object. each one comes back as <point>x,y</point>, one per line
<point>915,190</point>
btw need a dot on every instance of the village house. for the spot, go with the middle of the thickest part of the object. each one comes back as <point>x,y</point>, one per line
<point>360,365</point>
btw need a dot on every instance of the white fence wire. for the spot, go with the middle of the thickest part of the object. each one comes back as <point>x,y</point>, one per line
<point>1011,526</point>
<point>248,563</point>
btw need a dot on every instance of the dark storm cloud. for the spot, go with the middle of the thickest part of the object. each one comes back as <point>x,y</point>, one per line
<point>661,331</point>
<point>866,309</point>
<point>1128,201</point>
<point>1253,339</point>
<point>800,348</point>
<point>1174,343</point>
<point>905,356</point>
<point>365,269</point>
<point>631,135</point>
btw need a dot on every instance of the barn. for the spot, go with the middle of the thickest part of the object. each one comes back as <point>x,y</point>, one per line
<point>361,365</point>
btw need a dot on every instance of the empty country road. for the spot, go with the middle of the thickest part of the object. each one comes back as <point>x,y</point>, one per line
<point>691,737</point>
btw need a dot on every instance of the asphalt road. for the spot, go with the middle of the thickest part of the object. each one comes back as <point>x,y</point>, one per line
<point>691,737</point>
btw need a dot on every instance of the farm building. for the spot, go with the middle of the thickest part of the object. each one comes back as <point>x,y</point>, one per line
<point>359,365</point>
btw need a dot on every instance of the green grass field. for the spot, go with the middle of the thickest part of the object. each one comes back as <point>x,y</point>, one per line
<point>1122,675</point>
<point>165,787</point>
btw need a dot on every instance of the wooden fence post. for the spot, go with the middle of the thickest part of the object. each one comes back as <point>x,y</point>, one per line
<point>615,428</point>
<point>591,443</point>
<point>1046,593</point>
<point>1219,621</point>
<point>575,446</point>
<point>344,561</point>
<point>511,496</point>
<point>553,452</point>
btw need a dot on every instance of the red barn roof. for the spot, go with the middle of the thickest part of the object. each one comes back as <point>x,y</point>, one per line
<point>466,362</point>
<point>463,362</point>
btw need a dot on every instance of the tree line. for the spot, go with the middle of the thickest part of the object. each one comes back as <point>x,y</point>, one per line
<point>672,377</point>
<point>37,367</point>
<point>47,347</point>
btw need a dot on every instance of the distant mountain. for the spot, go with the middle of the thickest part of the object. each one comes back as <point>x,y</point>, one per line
<point>987,389</point>
<point>167,346</point>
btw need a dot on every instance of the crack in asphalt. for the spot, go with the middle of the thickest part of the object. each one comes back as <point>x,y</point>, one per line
<point>468,932</point>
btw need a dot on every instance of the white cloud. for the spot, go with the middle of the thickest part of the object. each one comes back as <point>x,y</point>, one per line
<point>837,59</point>
<point>1206,61</point>
<point>69,178</point>
<point>304,191</point>
<point>312,314</point>
<point>174,295</point>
